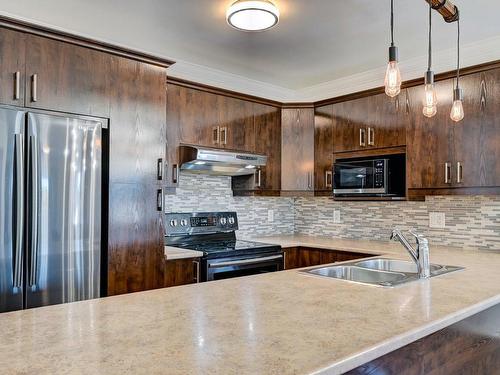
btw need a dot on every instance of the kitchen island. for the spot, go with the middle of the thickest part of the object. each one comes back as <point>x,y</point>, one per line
<point>280,323</point>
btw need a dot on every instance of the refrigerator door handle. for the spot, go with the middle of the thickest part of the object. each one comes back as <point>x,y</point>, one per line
<point>19,201</point>
<point>33,264</point>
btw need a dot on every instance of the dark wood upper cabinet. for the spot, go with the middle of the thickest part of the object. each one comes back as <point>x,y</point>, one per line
<point>478,150</point>
<point>137,121</point>
<point>297,150</point>
<point>236,124</point>
<point>323,149</point>
<point>445,157</point>
<point>267,135</point>
<point>66,77</point>
<point>429,142</point>
<point>268,142</point>
<point>12,63</point>
<point>369,123</point>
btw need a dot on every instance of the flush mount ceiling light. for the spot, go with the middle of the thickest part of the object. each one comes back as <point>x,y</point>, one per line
<point>252,15</point>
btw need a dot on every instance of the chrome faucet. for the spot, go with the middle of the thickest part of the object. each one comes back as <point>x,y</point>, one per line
<point>420,255</point>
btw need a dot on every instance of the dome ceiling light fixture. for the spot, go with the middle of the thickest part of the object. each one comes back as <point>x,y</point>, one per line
<point>253,15</point>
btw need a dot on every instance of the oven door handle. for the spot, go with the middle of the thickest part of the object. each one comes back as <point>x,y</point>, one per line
<point>244,261</point>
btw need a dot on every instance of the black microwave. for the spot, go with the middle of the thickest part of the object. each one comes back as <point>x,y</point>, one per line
<point>382,177</point>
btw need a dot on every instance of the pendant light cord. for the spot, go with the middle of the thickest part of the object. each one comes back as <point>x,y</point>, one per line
<point>458,49</point>
<point>430,38</point>
<point>392,23</point>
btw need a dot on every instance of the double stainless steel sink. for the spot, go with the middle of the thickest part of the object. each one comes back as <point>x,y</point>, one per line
<point>380,271</point>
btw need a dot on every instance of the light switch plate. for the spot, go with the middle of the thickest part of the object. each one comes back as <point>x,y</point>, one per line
<point>336,216</point>
<point>437,220</point>
<point>270,216</point>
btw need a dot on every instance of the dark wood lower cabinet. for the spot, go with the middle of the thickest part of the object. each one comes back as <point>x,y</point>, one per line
<point>298,257</point>
<point>181,272</point>
<point>135,250</point>
<point>469,347</point>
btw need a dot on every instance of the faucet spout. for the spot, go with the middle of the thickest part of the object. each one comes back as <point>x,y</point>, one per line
<point>420,255</point>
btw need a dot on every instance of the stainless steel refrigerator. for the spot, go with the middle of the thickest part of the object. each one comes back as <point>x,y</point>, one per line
<point>50,208</point>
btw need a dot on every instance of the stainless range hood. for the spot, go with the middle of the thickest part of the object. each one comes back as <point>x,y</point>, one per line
<point>205,160</point>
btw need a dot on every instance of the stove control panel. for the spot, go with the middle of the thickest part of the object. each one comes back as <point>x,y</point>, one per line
<point>178,224</point>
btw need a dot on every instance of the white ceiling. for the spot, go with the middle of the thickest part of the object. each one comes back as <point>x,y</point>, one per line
<point>321,48</point>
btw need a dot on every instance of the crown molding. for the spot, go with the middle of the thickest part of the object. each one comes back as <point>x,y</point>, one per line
<point>228,81</point>
<point>472,54</point>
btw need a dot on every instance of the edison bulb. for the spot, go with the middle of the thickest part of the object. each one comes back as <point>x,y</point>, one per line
<point>430,101</point>
<point>457,111</point>
<point>392,79</point>
<point>429,111</point>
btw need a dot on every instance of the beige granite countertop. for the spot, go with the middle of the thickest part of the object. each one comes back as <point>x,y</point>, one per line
<point>278,323</point>
<point>173,253</point>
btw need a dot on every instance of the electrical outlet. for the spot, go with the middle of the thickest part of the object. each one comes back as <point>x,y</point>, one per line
<point>270,216</point>
<point>437,220</point>
<point>336,216</point>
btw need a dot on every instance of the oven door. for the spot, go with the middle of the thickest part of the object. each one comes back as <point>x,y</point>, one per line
<point>225,268</point>
<point>356,177</point>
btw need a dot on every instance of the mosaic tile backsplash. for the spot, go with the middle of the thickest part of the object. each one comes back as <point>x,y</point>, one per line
<point>471,221</point>
<point>213,193</point>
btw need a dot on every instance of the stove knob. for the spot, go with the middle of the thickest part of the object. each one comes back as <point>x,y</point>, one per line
<point>223,220</point>
<point>173,223</point>
<point>184,222</point>
<point>231,220</point>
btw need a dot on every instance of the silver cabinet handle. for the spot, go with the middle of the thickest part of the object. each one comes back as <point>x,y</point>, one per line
<point>371,137</point>
<point>309,180</point>
<point>362,137</point>
<point>223,135</point>
<point>258,178</point>
<point>447,173</point>
<point>196,264</point>
<point>33,151</point>
<point>459,173</point>
<point>159,169</point>
<point>216,135</point>
<point>19,244</point>
<point>328,179</point>
<point>159,200</point>
<point>34,87</point>
<point>175,173</point>
<point>17,85</point>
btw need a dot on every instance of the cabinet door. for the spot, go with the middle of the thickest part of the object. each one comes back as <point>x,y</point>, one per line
<point>430,145</point>
<point>309,257</point>
<point>328,256</point>
<point>477,136</point>
<point>489,160</point>
<point>323,149</point>
<point>297,149</point>
<point>291,258</point>
<point>237,131</point>
<point>267,121</point>
<point>346,132</point>
<point>180,272</point>
<point>386,125</point>
<point>372,122</point>
<point>65,77</point>
<point>12,65</point>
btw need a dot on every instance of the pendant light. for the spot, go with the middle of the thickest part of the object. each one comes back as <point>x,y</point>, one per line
<point>430,100</point>
<point>392,80</point>
<point>457,110</point>
<point>252,15</point>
